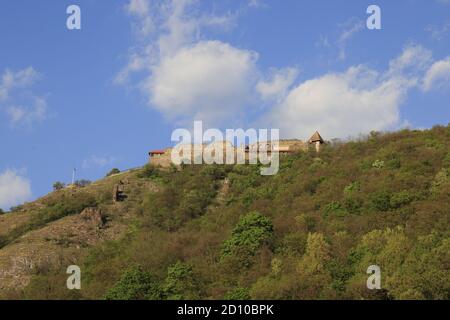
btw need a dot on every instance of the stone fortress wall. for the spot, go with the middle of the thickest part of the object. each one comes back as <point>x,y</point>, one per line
<point>163,157</point>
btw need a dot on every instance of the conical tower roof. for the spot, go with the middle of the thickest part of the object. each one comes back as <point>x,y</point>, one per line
<point>316,137</point>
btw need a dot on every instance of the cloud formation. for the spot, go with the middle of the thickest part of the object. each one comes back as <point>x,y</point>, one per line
<point>14,188</point>
<point>210,81</point>
<point>352,102</point>
<point>186,78</point>
<point>352,28</point>
<point>438,75</point>
<point>18,101</point>
<point>277,84</point>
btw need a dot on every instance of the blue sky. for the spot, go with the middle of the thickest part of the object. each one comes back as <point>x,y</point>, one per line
<point>102,96</point>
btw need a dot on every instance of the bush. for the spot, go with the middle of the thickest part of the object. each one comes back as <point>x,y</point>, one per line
<point>149,171</point>
<point>352,187</point>
<point>65,206</point>
<point>401,198</point>
<point>379,164</point>
<point>381,201</point>
<point>440,179</point>
<point>237,294</point>
<point>181,284</point>
<point>135,284</point>
<point>16,208</point>
<point>353,205</point>
<point>58,186</point>
<point>112,172</point>
<point>1,211</point>
<point>335,209</point>
<point>393,163</point>
<point>82,183</point>
<point>250,234</point>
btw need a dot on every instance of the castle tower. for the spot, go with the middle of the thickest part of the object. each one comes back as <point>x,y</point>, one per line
<point>317,140</point>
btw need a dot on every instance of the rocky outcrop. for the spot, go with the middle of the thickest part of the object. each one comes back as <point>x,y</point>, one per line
<point>93,215</point>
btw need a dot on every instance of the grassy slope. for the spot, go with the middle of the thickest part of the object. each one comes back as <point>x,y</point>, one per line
<point>383,201</point>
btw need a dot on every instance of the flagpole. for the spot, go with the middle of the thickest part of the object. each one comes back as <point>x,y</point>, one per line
<point>73,176</point>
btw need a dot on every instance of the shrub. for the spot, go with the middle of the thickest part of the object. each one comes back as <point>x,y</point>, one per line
<point>379,164</point>
<point>381,201</point>
<point>334,208</point>
<point>112,172</point>
<point>353,204</point>
<point>135,284</point>
<point>16,208</point>
<point>181,284</point>
<point>250,234</point>
<point>1,211</point>
<point>82,183</point>
<point>401,198</point>
<point>312,185</point>
<point>317,163</point>
<point>58,185</point>
<point>352,187</point>
<point>238,294</point>
<point>447,160</point>
<point>439,180</point>
<point>149,171</point>
<point>65,206</point>
<point>393,163</point>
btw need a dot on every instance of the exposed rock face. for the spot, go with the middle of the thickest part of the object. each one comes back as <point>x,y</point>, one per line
<point>118,192</point>
<point>93,215</point>
<point>54,246</point>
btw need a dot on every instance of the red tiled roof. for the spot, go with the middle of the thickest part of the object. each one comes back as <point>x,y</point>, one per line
<point>157,152</point>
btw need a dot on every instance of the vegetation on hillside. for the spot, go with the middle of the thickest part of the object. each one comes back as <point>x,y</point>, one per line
<point>309,232</point>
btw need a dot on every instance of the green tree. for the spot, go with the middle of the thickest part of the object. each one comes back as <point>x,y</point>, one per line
<point>82,183</point>
<point>181,283</point>
<point>381,200</point>
<point>250,234</point>
<point>135,284</point>
<point>58,185</point>
<point>112,172</point>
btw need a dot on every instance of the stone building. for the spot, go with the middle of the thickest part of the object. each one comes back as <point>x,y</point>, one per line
<point>163,157</point>
<point>316,140</point>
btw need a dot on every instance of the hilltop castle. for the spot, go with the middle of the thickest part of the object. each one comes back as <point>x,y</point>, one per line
<point>163,157</point>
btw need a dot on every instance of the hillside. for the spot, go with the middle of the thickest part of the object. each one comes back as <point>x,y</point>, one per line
<point>213,232</point>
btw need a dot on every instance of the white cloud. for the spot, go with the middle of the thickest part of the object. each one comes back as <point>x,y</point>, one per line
<point>438,75</point>
<point>438,32</point>
<point>277,84</point>
<point>349,103</point>
<point>352,29</point>
<point>257,4</point>
<point>12,80</point>
<point>141,9</point>
<point>209,81</point>
<point>97,161</point>
<point>138,7</point>
<point>188,78</point>
<point>28,115</point>
<point>414,60</point>
<point>14,189</point>
<point>16,86</point>
<point>185,77</point>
